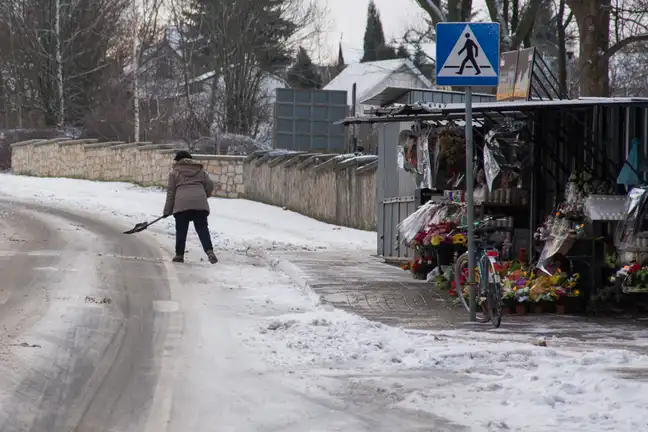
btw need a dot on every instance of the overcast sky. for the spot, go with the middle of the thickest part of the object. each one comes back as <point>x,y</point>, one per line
<point>347,20</point>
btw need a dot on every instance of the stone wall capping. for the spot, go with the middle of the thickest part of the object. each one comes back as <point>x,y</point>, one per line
<point>149,147</point>
<point>256,155</point>
<point>296,159</point>
<point>42,143</point>
<point>328,164</point>
<point>356,161</point>
<point>232,158</point>
<point>102,144</point>
<point>23,143</point>
<point>129,145</point>
<point>368,168</point>
<point>77,142</point>
<point>52,141</point>
<point>280,159</point>
<point>315,159</point>
<point>263,159</point>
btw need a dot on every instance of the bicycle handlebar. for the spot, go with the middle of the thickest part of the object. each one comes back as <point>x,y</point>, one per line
<point>481,222</point>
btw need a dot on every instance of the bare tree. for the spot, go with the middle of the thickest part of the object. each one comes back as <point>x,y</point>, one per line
<point>515,17</point>
<point>57,50</point>
<point>606,28</point>
<point>59,65</point>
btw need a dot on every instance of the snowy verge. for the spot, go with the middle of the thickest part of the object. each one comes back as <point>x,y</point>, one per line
<point>236,224</point>
<point>294,273</point>
<point>488,385</point>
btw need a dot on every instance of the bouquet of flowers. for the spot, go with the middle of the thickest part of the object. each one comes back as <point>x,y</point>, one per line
<point>633,276</point>
<point>551,288</point>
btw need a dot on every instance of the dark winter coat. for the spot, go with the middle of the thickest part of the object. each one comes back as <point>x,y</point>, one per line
<point>188,189</point>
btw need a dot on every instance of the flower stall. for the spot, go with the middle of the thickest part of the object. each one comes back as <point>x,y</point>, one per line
<point>524,157</point>
<point>432,232</point>
<point>630,258</point>
<point>526,289</point>
<point>559,231</point>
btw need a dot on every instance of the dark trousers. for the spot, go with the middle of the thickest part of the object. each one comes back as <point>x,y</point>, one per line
<point>199,218</point>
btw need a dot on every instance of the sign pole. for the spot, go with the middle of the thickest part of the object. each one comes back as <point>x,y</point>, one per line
<point>470,209</point>
<point>467,55</point>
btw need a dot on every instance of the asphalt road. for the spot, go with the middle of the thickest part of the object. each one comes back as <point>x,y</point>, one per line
<point>81,347</point>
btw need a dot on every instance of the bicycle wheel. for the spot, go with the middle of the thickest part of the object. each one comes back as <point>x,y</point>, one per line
<point>491,289</point>
<point>461,273</point>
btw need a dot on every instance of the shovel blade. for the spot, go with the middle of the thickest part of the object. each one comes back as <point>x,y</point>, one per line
<point>139,227</point>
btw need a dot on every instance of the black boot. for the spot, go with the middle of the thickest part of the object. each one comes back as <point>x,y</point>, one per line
<point>211,257</point>
<point>178,259</point>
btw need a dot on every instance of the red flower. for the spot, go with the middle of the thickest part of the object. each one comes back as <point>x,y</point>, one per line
<point>522,256</point>
<point>634,268</point>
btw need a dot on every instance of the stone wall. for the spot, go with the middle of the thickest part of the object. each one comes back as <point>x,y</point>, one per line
<point>337,189</point>
<point>143,163</point>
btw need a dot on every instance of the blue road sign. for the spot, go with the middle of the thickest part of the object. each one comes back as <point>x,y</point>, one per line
<point>467,54</point>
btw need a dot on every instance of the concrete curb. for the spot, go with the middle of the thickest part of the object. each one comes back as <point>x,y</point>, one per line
<point>294,273</point>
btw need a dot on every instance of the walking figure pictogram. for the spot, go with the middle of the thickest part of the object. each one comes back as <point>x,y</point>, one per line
<point>472,51</point>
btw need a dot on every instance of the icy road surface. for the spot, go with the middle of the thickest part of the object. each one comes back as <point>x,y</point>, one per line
<point>99,332</point>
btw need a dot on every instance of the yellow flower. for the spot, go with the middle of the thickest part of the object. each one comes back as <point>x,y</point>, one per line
<point>459,239</point>
<point>576,292</point>
<point>436,240</point>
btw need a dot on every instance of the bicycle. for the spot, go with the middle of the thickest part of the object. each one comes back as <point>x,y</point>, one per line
<point>489,283</point>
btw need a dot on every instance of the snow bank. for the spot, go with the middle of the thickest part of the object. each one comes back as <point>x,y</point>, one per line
<point>236,224</point>
<point>491,385</point>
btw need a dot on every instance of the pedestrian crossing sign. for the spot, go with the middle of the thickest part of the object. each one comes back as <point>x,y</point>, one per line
<point>467,54</point>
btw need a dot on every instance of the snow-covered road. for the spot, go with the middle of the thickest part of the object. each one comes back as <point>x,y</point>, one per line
<point>246,350</point>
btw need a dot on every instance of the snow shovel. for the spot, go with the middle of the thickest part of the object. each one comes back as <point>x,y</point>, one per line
<point>142,226</point>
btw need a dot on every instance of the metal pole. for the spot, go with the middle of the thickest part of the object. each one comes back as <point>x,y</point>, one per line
<point>470,210</point>
<point>354,101</point>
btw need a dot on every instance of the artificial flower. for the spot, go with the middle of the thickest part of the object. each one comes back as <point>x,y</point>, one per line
<point>459,239</point>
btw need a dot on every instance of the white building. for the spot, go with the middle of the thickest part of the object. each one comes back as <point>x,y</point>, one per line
<point>373,77</point>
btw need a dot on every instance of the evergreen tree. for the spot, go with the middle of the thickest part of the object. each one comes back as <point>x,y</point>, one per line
<point>212,39</point>
<point>375,47</point>
<point>419,58</point>
<point>401,52</point>
<point>341,64</point>
<point>240,41</point>
<point>303,74</point>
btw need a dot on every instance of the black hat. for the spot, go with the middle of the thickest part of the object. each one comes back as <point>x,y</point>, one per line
<point>182,154</point>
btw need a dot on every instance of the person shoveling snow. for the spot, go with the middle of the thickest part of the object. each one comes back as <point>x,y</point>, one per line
<point>186,199</point>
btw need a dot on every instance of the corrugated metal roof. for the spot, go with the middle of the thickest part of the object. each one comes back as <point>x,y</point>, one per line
<point>368,76</point>
<point>404,111</point>
<point>392,94</point>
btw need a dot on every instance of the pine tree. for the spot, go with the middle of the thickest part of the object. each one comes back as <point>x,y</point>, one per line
<point>401,52</point>
<point>375,46</point>
<point>240,42</point>
<point>340,60</point>
<point>211,39</point>
<point>303,74</point>
<point>419,58</point>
